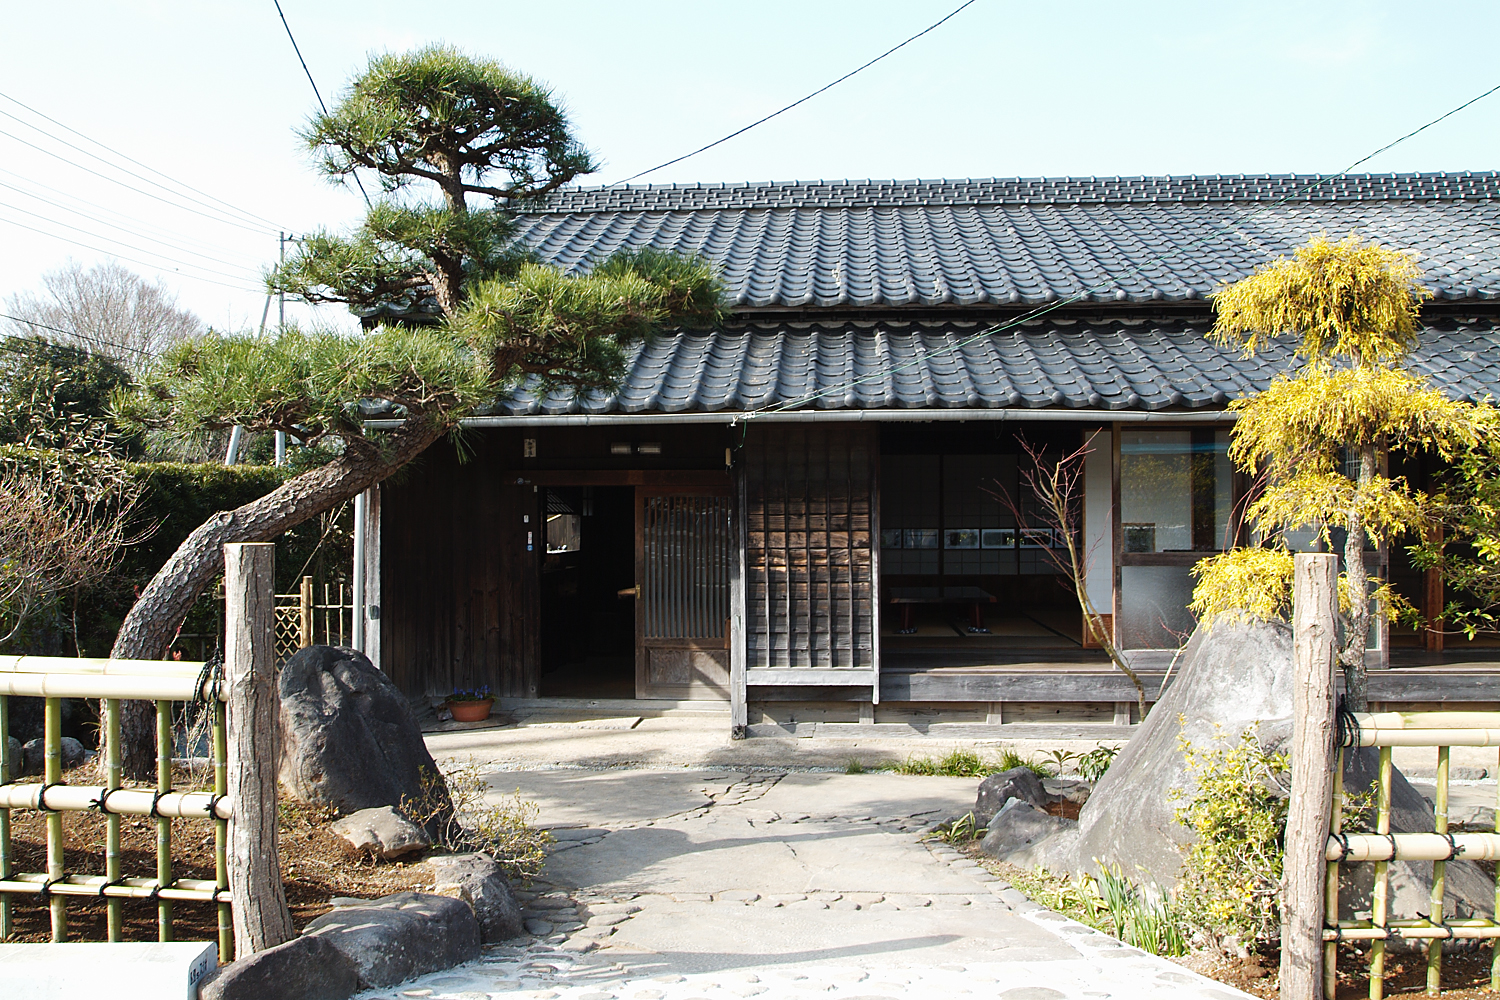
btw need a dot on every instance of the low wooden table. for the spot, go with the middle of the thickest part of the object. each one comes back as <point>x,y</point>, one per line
<point>909,597</point>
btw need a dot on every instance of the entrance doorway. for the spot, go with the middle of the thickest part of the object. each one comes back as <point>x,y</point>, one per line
<point>635,592</point>
<point>588,647</point>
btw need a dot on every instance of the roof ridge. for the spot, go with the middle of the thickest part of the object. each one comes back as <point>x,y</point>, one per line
<point>1463,185</point>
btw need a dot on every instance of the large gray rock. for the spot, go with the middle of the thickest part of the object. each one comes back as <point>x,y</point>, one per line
<point>380,831</point>
<point>349,739</point>
<point>998,789</point>
<point>1229,679</point>
<point>394,938</point>
<point>304,968</point>
<point>33,758</point>
<point>1018,826</point>
<point>478,880</point>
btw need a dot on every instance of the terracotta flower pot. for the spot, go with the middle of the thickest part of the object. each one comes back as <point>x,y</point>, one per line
<point>470,711</point>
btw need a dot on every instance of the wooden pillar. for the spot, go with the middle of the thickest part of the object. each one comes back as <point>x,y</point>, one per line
<point>739,708</point>
<point>261,918</point>
<point>1315,633</point>
<point>371,596</point>
<point>1432,603</point>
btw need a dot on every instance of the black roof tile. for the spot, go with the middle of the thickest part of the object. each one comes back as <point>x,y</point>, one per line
<point>1106,365</point>
<point>825,244</point>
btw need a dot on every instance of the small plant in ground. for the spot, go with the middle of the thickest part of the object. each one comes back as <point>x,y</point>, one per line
<point>1231,873</point>
<point>1145,919</point>
<point>1141,917</point>
<point>1092,765</point>
<point>959,831</point>
<point>504,830</point>
<point>968,764</point>
<point>1009,760</point>
<point>1060,760</point>
<point>854,766</point>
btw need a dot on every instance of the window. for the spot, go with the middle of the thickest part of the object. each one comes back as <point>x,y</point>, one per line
<point>1176,506</point>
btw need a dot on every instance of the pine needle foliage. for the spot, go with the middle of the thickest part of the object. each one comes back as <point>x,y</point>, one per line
<point>1347,300</point>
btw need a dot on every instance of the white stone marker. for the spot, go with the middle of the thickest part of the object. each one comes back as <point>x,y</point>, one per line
<point>124,971</point>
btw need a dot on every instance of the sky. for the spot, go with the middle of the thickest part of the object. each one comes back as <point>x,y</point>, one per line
<point>211,95</point>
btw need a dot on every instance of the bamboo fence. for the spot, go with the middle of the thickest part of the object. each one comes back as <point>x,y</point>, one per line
<point>1442,730</point>
<point>164,682</point>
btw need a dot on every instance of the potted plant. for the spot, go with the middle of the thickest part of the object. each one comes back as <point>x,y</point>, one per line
<point>470,704</point>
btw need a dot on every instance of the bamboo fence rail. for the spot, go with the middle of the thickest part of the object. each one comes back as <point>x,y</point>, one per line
<point>1442,730</point>
<point>55,678</point>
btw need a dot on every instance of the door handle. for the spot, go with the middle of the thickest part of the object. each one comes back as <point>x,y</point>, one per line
<point>630,592</point>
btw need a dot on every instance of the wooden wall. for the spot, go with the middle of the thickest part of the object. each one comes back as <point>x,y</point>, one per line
<point>810,536</point>
<point>458,588</point>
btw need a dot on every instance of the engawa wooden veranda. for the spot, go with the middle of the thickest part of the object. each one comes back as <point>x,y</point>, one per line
<point>240,698</point>
<point>1316,843</point>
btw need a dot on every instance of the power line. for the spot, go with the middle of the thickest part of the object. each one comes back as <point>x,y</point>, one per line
<point>129,159</point>
<point>717,142</point>
<point>185,242</point>
<point>116,166</point>
<point>111,239</point>
<point>119,256</point>
<point>68,333</point>
<point>129,187</point>
<point>295,48</point>
<point>111,225</point>
<point>1041,311</point>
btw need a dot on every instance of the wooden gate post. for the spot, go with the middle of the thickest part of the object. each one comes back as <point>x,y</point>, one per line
<point>1315,632</point>
<point>261,917</point>
<point>305,614</point>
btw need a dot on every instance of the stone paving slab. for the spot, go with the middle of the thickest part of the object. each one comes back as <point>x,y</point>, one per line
<point>673,884</point>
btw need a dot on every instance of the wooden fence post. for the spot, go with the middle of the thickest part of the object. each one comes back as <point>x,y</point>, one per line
<point>261,917</point>
<point>1315,632</point>
<point>305,614</point>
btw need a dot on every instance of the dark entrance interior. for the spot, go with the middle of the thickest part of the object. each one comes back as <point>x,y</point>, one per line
<point>588,629</point>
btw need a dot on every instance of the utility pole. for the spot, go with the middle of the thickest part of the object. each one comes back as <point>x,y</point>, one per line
<point>281,295</point>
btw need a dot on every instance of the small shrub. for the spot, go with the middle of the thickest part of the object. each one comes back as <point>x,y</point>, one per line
<point>1092,765</point>
<point>1010,760</point>
<point>503,830</point>
<point>1231,872</point>
<point>960,831</point>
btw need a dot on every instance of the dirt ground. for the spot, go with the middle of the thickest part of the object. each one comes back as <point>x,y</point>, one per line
<point>314,869</point>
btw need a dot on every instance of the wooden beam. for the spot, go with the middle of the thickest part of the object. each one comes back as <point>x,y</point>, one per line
<point>659,478</point>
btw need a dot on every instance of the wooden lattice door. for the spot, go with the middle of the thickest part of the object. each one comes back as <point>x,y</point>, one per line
<point>684,546</point>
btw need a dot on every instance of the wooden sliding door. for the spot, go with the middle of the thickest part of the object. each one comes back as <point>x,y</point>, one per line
<point>684,546</point>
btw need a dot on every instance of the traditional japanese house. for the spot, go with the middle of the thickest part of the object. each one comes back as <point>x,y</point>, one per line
<point>816,511</point>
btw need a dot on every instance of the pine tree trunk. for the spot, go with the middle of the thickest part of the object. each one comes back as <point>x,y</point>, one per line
<point>148,630</point>
<point>1352,656</point>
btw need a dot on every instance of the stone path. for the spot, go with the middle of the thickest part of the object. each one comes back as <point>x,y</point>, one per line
<point>702,885</point>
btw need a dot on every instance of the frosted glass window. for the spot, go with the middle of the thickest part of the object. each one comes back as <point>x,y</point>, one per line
<point>1153,606</point>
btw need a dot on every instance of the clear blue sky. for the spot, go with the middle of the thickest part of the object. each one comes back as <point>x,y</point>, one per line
<point>210,93</point>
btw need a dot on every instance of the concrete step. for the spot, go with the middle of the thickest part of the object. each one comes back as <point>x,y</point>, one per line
<point>125,971</point>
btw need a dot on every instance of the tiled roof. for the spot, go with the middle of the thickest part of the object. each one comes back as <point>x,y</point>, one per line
<point>1463,185</point>
<point>1023,241</point>
<point>1110,365</point>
